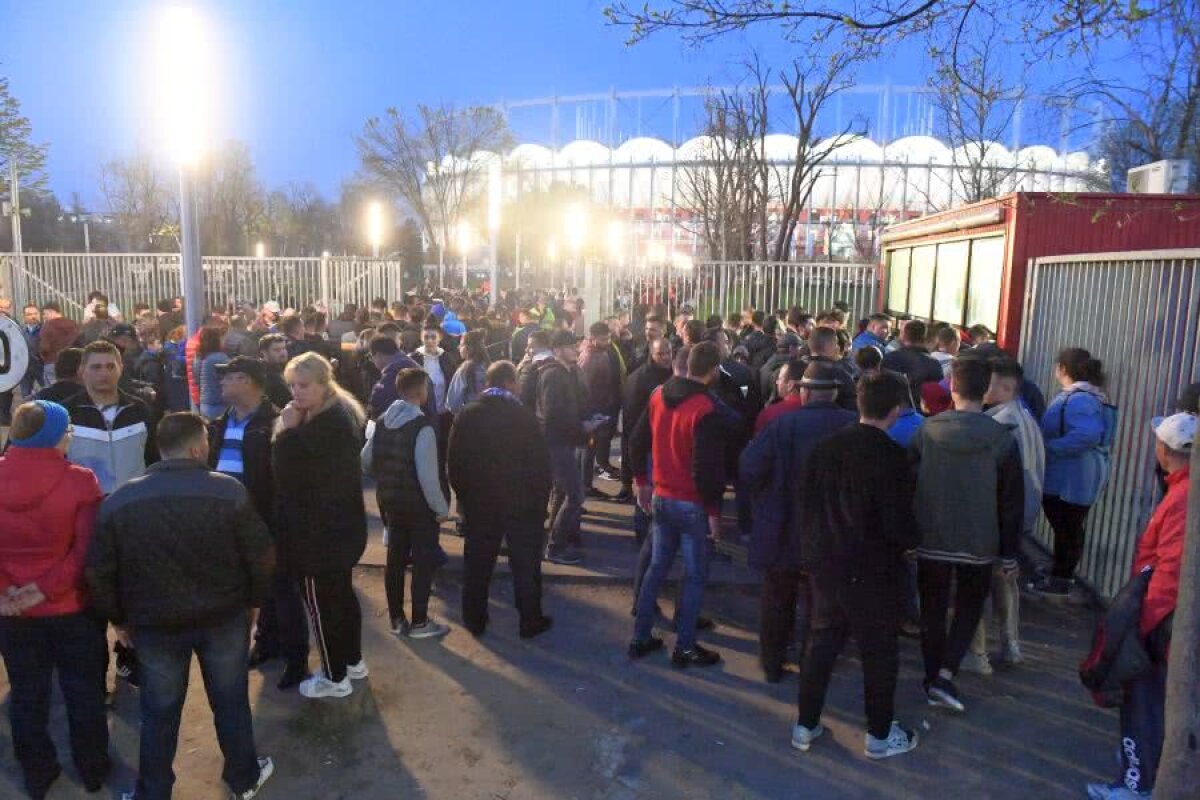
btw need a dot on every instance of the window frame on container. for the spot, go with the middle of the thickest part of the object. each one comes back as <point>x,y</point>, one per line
<point>926,312</point>
<point>960,279</point>
<point>902,307</point>
<point>977,272</point>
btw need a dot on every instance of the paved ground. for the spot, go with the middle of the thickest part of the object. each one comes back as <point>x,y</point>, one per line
<point>567,716</point>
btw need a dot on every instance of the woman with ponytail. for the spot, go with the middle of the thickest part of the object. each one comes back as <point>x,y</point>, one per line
<point>1077,430</point>
<point>322,518</point>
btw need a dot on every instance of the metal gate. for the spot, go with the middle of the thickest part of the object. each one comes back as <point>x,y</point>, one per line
<point>130,278</point>
<point>1139,313</point>
<point>724,287</point>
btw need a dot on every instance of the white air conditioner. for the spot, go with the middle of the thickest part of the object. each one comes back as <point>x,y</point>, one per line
<point>1161,177</point>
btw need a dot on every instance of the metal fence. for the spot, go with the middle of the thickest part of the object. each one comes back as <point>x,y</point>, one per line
<point>722,287</point>
<point>130,278</point>
<point>1139,313</point>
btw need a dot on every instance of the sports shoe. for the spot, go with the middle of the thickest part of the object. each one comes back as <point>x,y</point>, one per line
<point>568,556</point>
<point>1012,654</point>
<point>1050,586</point>
<point>802,737</point>
<point>942,693</point>
<point>1113,791</point>
<point>429,629</point>
<point>319,686</point>
<point>977,663</point>
<point>400,625</point>
<point>609,475</point>
<point>898,742</point>
<point>536,628</point>
<point>293,675</point>
<point>266,768</point>
<point>697,656</point>
<point>356,672</point>
<point>644,647</point>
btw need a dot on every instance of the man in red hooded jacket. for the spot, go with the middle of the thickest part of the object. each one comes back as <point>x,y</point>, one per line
<point>1160,548</point>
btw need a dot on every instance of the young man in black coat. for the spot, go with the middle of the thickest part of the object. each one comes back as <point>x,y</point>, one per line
<point>240,446</point>
<point>858,524</point>
<point>503,500</point>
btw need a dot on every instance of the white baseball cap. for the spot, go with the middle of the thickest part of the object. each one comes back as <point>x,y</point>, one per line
<point>271,306</point>
<point>1177,431</point>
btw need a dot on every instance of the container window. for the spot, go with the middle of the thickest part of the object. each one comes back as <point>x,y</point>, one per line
<point>920,293</point>
<point>987,270</point>
<point>950,293</point>
<point>897,298</point>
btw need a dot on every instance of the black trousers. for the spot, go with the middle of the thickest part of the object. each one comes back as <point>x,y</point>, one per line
<point>1066,519</point>
<point>602,440</point>
<point>869,614</point>
<point>416,545</point>
<point>282,624</point>
<point>626,464</point>
<point>525,540</point>
<point>972,582</point>
<point>34,648</point>
<point>336,620</point>
<point>781,590</point>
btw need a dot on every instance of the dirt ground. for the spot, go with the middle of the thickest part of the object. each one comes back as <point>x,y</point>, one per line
<point>568,716</point>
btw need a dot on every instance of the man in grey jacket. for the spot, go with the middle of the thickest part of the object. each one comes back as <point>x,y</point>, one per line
<point>969,507</point>
<point>1004,405</point>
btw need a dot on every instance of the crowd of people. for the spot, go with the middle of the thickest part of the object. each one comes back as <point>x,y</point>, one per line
<point>191,489</point>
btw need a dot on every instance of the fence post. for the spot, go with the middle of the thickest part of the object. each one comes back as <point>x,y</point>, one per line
<point>323,268</point>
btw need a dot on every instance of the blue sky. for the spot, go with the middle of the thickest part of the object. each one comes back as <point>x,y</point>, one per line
<point>296,80</point>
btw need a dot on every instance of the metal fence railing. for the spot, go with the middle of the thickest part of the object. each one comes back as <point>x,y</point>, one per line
<point>1139,313</point>
<point>130,278</point>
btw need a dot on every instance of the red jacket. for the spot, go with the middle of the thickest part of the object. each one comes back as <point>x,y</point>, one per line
<point>1161,547</point>
<point>47,510</point>
<point>190,349</point>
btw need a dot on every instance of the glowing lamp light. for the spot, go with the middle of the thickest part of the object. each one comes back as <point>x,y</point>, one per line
<point>656,253</point>
<point>576,227</point>
<point>494,195</point>
<point>616,239</point>
<point>681,261</point>
<point>184,74</point>
<point>260,250</point>
<point>552,249</point>
<point>465,237</point>
<point>375,225</point>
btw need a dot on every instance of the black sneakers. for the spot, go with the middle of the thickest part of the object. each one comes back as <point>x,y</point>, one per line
<point>697,656</point>
<point>293,675</point>
<point>537,628</point>
<point>942,693</point>
<point>638,649</point>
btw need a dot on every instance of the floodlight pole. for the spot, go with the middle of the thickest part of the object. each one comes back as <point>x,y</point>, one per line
<point>191,272</point>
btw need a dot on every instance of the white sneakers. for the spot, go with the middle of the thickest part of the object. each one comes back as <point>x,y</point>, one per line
<point>802,737</point>
<point>356,672</point>
<point>977,663</point>
<point>266,768</point>
<point>319,685</point>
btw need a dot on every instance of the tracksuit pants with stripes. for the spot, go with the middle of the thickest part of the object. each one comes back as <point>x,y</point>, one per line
<point>336,620</point>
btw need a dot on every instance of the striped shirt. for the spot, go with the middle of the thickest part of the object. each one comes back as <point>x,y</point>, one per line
<point>230,459</point>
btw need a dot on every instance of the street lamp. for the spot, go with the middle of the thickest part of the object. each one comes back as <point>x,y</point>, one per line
<point>576,230</point>
<point>494,199</point>
<point>375,226</point>
<point>260,250</point>
<point>184,75</point>
<point>466,239</point>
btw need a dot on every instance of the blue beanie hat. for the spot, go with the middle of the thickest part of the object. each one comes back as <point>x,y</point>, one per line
<point>52,430</point>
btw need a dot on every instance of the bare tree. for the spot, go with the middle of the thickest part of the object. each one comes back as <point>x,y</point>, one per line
<point>141,198</point>
<point>976,103</point>
<point>810,84</point>
<point>427,160</point>
<point>230,201</point>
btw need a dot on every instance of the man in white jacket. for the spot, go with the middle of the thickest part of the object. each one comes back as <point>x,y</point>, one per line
<point>401,452</point>
<point>1004,405</point>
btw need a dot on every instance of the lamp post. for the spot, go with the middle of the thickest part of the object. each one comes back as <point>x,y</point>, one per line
<point>465,238</point>
<point>375,226</point>
<point>183,81</point>
<point>260,251</point>
<point>494,198</point>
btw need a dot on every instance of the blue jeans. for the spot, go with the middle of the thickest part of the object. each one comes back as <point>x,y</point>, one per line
<point>74,646</point>
<point>165,659</point>
<point>678,525</point>
<point>566,498</point>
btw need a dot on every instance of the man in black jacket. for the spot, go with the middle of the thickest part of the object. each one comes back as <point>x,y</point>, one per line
<point>856,516</point>
<point>502,500</point>
<point>179,561</point>
<point>239,444</point>
<point>913,361</point>
<point>823,346</point>
<point>635,396</point>
<point>561,399</point>
<point>272,351</point>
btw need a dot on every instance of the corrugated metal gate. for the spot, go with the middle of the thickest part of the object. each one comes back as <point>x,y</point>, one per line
<point>722,287</point>
<point>1139,313</point>
<point>130,278</point>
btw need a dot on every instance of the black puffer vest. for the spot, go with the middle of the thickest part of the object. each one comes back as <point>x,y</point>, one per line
<point>395,466</point>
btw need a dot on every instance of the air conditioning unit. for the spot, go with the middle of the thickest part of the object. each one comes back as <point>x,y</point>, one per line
<point>1161,177</point>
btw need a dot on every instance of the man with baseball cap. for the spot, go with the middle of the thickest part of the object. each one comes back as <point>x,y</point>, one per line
<point>1159,549</point>
<point>240,446</point>
<point>771,467</point>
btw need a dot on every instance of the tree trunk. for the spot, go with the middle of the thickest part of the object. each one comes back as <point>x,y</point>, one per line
<point>1179,767</point>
